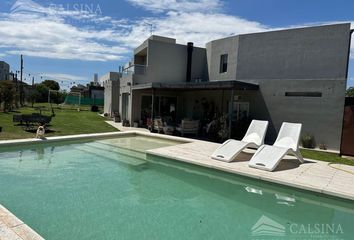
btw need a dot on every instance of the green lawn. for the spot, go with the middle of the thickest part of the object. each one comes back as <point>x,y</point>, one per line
<point>326,157</point>
<point>66,122</point>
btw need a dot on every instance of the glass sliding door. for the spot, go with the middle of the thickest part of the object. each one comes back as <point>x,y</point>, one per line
<point>164,107</point>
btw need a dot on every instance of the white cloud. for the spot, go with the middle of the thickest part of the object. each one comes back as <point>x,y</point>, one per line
<point>50,32</point>
<point>178,5</point>
<point>66,81</point>
<point>197,27</point>
<point>39,31</point>
<point>204,27</point>
<point>34,30</point>
<point>63,77</point>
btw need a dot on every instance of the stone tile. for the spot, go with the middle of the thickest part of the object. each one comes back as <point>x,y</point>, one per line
<point>309,181</point>
<point>26,233</point>
<point>320,171</point>
<point>3,211</point>
<point>342,193</point>
<point>10,220</point>
<point>7,234</point>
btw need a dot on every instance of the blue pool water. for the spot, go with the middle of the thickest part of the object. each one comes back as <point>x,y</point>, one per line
<point>98,190</point>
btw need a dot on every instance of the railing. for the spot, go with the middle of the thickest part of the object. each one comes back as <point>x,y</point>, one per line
<point>135,69</point>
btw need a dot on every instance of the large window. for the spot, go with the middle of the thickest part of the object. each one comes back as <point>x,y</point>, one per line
<point>223,63</point>
<point>164,107</point>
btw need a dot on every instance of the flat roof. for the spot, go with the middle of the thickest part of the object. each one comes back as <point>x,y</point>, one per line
<point>212,85</point>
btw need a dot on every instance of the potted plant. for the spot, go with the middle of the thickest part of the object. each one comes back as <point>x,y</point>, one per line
<point>308,141</point>
<point>117,117</point>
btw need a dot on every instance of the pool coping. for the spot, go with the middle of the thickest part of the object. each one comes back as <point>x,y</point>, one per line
<point>13,228</point>
<point>91,136</point>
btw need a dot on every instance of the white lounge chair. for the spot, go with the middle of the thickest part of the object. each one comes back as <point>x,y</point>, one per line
<point>253,138</point>
<point>268,157</point>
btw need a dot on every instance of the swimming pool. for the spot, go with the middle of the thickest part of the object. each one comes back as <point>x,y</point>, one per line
<point>105,190</point>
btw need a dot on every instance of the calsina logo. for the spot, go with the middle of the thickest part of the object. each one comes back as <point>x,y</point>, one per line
<point>267,227</point>
<point>70,9</point>
<point>27,6</point>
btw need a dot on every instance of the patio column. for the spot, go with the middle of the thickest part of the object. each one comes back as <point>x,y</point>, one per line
<point>231,109</point>
<point>152,104</point>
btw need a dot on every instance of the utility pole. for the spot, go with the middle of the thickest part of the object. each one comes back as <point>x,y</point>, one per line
<point>151,28</point>
<point>21,82</point>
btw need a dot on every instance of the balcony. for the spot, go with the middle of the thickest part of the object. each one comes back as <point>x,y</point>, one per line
<point>135,69</point>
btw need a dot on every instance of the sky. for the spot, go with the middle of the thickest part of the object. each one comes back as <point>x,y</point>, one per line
<point>69,41</point>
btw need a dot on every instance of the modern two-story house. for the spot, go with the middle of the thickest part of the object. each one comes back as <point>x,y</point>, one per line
<point>296,75</point>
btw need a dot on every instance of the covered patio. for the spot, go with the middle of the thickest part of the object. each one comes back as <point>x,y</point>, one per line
<point>226,103</point>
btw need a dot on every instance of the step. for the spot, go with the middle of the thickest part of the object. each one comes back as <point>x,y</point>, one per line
<point>120,150</point>
<point>121,157</point>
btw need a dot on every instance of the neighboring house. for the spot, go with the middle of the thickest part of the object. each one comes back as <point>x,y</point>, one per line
<point>295,75</point>
<point>79,89</point>
<point>96,92</point>
<point>89,91</point>
<point>110,82</point>
<point>4,71</point>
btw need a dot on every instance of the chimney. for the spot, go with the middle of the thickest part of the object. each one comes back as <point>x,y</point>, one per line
<point>189,61</point>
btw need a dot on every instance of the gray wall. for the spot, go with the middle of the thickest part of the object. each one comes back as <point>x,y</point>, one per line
<point>110,82</point>
<point>125,88</point>
<point>297,60</point>
<point>214,50</point>
<point>111,97</point>
<point>167,62</point>
<point>321,116</point>
<point>306,53</point>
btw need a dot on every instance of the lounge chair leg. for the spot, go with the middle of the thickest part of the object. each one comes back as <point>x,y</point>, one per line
<point>299,156</point>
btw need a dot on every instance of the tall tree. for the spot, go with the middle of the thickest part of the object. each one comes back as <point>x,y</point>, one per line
<point>40,93</point>
<point>350,92</point>
<point>51,84</point>
<point>7,94</point>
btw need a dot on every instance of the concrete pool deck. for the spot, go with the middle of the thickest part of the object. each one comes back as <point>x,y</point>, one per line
<point>317,176</point>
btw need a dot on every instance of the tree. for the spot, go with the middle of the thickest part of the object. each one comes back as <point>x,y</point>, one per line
<point>40,93</point>
<point>350,92</point>
<point>7,94</point>
<point>51,84</point>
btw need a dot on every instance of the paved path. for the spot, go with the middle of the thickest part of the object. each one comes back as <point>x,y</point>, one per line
<point>120,127</point>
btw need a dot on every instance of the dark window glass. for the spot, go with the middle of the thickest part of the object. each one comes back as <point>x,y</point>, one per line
<point>223,63</point>
<point>303,94</point>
